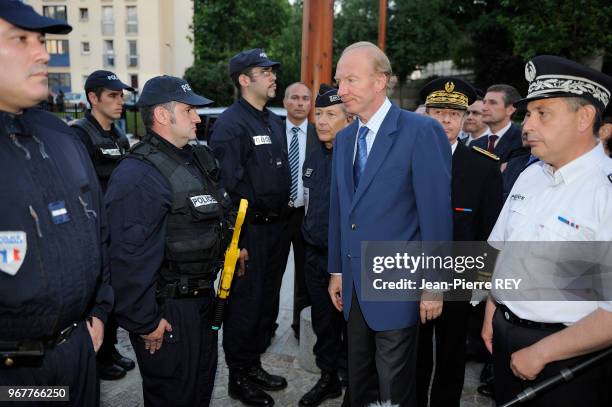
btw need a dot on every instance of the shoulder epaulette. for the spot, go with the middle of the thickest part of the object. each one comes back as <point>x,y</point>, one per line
<point>485,152</point>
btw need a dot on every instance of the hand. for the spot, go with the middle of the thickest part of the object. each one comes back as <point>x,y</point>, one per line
<point>431,306</point>
<point>243,257</point>
<point>95,326</point>
<point>527,363</point>
<point>154,340</point>
<point>487,325</point>
<point>335,291</point>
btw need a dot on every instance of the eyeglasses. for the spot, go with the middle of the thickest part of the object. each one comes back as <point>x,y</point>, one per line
<point>264,73</point>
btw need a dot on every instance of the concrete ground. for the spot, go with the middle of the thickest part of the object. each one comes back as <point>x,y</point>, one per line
<point>281,358</point>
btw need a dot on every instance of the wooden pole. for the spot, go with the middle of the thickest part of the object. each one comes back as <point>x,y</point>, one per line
<point>317,51</point>
<point>382,23</point>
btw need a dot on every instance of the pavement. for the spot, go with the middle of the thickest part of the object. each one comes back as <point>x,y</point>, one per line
<point>280,358</point>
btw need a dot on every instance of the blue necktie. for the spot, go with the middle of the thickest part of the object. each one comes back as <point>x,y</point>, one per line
<point>361,156</point>
<point>294,164</point>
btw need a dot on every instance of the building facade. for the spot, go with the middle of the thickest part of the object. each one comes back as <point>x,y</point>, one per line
<point>136,39</point>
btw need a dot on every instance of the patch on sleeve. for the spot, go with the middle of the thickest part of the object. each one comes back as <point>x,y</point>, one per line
<point>13,247</point>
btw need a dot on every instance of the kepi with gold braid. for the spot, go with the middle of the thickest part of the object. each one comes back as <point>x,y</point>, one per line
<point>448,92</point>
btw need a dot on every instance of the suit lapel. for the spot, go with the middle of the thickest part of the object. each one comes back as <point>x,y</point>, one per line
<point>347,154</point>
<point>382,143</point>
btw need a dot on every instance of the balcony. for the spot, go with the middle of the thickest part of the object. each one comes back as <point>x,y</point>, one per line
<point>132,60</point>
<point>131,26</point>
<point>108,27</point>
<point>108,60</point>
<point>59,60</point>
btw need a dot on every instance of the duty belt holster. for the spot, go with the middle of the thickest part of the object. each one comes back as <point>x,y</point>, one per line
<point>185,288</point>
<point>30,353</point>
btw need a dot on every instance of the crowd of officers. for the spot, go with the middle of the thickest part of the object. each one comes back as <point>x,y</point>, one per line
<point>136,239</point>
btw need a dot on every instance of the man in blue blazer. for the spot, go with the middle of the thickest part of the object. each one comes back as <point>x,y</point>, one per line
<point>391,181</point>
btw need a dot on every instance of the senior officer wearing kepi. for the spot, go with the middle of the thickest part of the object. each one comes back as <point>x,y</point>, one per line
<point>105,144</point>
<point>54,292</point>
<point>168,222</point>
<point>248,141</point>
<point>564,197</point>
<point>391,181</point>
<point>327,322</point>
<point>476,194</point>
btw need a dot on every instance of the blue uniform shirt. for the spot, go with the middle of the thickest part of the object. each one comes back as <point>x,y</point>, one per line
<point>53,264</point>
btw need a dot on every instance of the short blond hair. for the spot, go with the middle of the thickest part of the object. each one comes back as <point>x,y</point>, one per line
<point>380,61</point>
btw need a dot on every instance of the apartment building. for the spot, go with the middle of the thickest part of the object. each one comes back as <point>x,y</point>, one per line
<point>136,39</point>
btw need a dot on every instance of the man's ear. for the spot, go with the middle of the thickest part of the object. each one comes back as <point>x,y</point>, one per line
<point>93,99</point>
<point>510,109</point>
<point>161,115</point>
<point>586,117</point>
<point>244,80</point>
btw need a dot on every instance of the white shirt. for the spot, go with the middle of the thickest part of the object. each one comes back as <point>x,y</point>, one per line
<point>470,138</point>
<point>373,126</point>
<point>572,204</point>
<point>454,147</point>
<point>499,134</point>
<point>302,134</point>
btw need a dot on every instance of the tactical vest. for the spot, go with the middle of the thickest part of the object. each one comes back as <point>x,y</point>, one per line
<point>107,152</point>
<point>197,224</point>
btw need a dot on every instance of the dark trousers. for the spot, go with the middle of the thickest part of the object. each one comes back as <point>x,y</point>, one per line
<point>72,364</point>
<point>381,364</point>
<point>588,388</point>
<point>450,338</point>
<point>291,235</point>
<point>327,321</point>
<point>110,339</point>
<point>251,297</point>
<point>182,372</point>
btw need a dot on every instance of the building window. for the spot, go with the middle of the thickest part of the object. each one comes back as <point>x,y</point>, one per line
<point>109,53</point>
<point>83,14</point>
<point>59,81</point>
<point>57,47</point>
<point>134,80</point>
<point>85,48</point>
<point>57,12</point>
<point>108,21</point>
<point>132,53</point>
<point>131,20</point>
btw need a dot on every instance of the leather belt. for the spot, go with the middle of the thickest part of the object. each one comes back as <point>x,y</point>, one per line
<point>191,289</point>
<point>30,352</point>
<point>525,323</point>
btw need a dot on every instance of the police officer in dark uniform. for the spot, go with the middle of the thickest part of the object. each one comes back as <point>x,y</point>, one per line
<point>105,144</point>
<point>168,217</point>
<point>476,195</point>
<point>248,141</point>
<point>54,292</point>
<point>327,321</point>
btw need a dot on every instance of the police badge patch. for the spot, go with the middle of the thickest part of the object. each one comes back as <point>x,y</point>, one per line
<point>13,247</point>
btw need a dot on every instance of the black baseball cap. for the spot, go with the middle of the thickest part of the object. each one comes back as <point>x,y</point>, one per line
<point>249,58</point>
<point>106,80</point>
<point>164,89</point>
<point>24,16</point>
<point>327,96</point>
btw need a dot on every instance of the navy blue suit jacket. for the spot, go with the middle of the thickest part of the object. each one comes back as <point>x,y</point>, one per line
<point>404,194</point>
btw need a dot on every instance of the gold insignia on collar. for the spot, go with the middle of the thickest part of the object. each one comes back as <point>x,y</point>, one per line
<point>485,152</point>
<point>449,87</point>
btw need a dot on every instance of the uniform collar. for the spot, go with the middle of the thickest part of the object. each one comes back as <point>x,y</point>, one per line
<point>574,169</point>
<point>259,113</point>
<point>95,122</point>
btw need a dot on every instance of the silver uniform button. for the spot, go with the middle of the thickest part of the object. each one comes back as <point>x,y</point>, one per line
<point>507,316</point>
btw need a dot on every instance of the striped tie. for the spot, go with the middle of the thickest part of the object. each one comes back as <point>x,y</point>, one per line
<point>294,164</point>
<point>361,156</point>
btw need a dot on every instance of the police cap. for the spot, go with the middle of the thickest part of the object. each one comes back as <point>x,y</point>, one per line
<point>164,89</point>
<point>448,92</point>
<point>106,80</point>
<point>250,58</point>
<point>327,96</point>
<point>552,77</point>
<point>24,16</point>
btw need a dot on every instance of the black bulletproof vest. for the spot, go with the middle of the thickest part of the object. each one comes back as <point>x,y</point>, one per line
<point>107,152</point>
<point>197,224</point>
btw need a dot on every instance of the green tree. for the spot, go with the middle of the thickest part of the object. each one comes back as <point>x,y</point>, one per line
<point>355,20</point>
<point>221,29</point>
